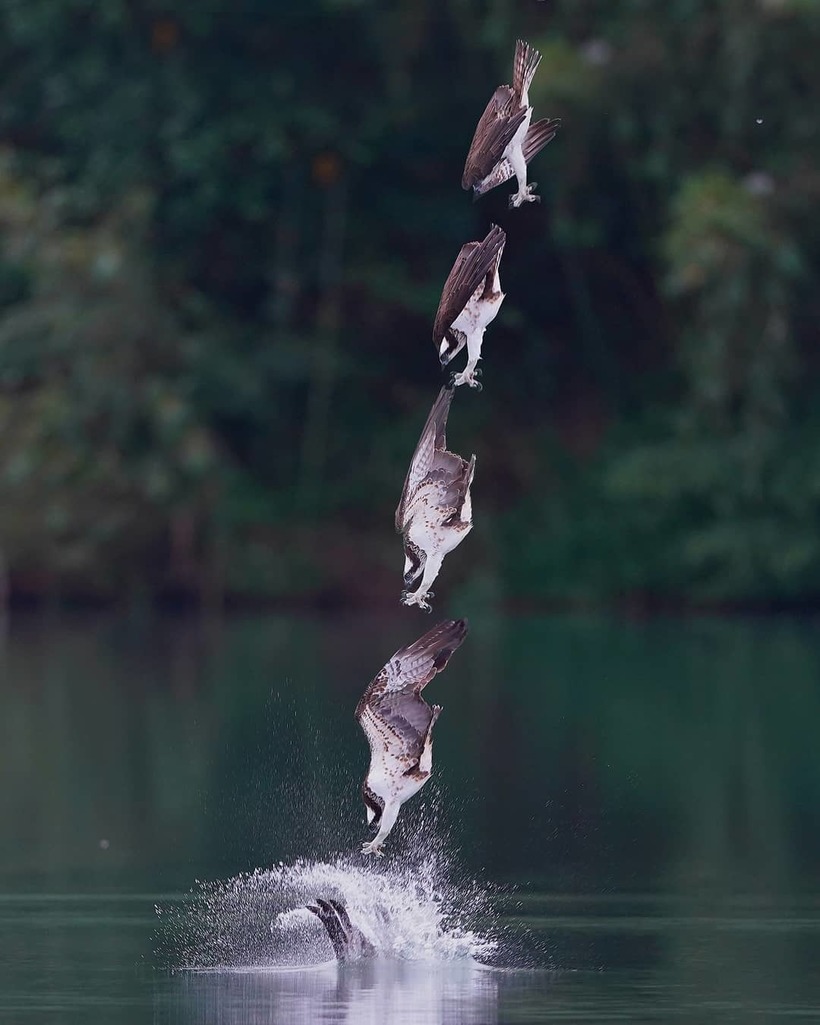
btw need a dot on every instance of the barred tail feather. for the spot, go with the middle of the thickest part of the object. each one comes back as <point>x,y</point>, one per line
<point>526,60</point>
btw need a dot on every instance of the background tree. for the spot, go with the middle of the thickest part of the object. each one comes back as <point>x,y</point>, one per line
<point>223,231</point>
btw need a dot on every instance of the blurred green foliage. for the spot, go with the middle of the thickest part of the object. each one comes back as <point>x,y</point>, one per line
<point>223,232</point>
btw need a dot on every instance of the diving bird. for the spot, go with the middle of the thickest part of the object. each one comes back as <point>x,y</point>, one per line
<point>349,942</point>
<point>398,724</point>
<point>435,512</point>
<point>505,141</point>
<point>470,300</point>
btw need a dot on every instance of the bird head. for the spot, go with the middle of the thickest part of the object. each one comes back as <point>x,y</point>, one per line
<point>451,344</point>
<point>414,560</point>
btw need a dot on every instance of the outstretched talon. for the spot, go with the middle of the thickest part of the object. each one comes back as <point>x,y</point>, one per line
<point>373,848</point>
<point>526,195</point>
<point>468,377</point>
<point>417,599</point>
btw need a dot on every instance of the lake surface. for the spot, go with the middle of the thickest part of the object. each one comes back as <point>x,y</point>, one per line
<point>624,823</point>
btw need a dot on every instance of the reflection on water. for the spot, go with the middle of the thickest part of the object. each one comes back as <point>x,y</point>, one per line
<point>576,754</point>
<point>677,760</point>
<point>371,992</point>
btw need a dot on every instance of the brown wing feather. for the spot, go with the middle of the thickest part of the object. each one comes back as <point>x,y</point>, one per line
<point>411,668</point>
<point>394,697</point>
<point>474,261</point>
<point>463,272</point>
<point>433,440</point>
<point>538,135</point>
<point>459,486</point>
<point>496,127</point>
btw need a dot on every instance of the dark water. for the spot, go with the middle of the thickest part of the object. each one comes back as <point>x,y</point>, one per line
<point>637,806</point>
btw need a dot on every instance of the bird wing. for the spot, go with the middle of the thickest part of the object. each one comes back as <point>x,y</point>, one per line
<point>474,261</point>
<point>328,913</point>
<point>496,127</point>
<point>537,137</point>
<point>393,714</point>
<point>456,493</point>
<point>396,729</point>
<point>431,444</point>
<point>411,668</point>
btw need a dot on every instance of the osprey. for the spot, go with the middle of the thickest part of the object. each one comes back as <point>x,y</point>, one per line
<point>505,141</point>
<point>398,724</point>
<point>435,512</point>
<point>470,300</point>
<point>349,943</point>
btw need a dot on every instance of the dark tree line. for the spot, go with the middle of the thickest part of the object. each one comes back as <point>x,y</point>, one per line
<point>223,231</point>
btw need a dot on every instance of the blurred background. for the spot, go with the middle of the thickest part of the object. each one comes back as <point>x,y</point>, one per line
<point>224,229</point>
<point>223,235</point>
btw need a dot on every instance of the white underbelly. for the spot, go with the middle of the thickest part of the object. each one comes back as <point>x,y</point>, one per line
<point>517,140</point>
<point>393,786</point>
<point>477,314</point>
<point>435,538</point>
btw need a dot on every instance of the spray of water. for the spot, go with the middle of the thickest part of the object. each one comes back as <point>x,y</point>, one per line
<point>411,911</point>
<point>413,905</point>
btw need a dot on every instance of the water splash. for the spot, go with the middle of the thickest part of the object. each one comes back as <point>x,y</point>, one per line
<point>409,909</point>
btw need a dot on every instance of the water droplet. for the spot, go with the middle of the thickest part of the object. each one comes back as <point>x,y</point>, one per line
<point>759,120</point>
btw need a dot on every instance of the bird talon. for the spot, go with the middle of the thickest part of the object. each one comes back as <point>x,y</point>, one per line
<point>451,380</point>
<point>478,386</point>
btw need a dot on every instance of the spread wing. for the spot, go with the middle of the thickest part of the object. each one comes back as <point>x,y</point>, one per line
<point>330,914</point>
<point>393,714</point>
<point>496,127</point>
<point>430,453</point>
<point>474,261</point>
<point>537,137</point>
